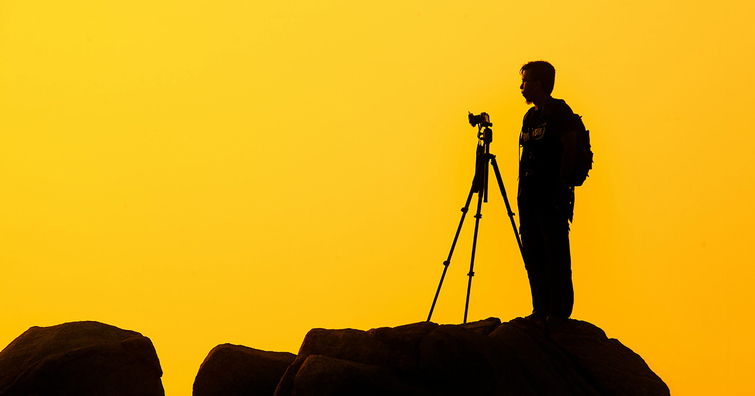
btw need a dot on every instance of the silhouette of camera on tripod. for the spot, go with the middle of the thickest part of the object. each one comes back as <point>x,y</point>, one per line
<point>480,187</point>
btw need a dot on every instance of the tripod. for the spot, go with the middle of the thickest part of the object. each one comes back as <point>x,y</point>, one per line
<point>479,187</point>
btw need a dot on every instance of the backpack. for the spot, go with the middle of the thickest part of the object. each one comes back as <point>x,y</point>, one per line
<point>583,154</point>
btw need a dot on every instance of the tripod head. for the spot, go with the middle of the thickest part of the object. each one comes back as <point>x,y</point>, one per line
<point>485,135</point>
<point>483,124</point>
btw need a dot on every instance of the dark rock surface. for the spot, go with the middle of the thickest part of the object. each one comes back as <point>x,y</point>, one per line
<point>80,358</point>
<point>481,358</point>
<point>235,370</point>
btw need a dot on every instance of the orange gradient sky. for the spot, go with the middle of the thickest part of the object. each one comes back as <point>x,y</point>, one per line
<point>207,172</point>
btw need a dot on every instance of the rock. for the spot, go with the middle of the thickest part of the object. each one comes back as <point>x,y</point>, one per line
<point>337,377</point>
<point>80,358</point>
<point>230,370</point>
<point>606,364</point>
<point>481,358</point>
<point>374,354</point>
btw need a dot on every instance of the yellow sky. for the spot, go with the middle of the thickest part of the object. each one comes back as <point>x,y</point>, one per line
<point>210,172</point>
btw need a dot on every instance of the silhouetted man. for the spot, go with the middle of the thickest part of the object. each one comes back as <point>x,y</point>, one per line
<point>548,142</point>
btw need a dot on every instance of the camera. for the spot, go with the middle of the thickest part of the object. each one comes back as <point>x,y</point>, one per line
<point>483,119</point>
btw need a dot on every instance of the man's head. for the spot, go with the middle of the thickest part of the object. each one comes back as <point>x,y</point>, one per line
<point>538,78</point>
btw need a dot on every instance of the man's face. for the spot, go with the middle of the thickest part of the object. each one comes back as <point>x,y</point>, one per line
<point>529,86</point>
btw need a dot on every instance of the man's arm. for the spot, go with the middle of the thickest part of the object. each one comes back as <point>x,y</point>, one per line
<point>569,144</point>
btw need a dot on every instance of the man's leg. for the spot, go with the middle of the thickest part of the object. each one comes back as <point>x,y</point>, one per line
<point>535,260</point>
<point>558,273</point>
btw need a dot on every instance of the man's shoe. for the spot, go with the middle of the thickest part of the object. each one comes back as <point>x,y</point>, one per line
<point>555,321</point>
<point>537,319</point>
<point>535,315</point>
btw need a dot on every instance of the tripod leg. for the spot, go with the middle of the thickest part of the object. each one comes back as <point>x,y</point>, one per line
<point>506,201</point>
<point>464,211</point>
<point>478,216</point>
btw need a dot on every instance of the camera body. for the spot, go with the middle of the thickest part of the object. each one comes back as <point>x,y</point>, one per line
<point>483,119</point>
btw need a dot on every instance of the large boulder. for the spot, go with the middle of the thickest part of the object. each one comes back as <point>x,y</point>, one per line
<point>481,358</point>
<point>81,359</point>
<point>235,370</point>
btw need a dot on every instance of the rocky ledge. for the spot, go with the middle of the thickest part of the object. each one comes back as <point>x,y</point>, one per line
<point>481,358</point>
<point>520,357</point>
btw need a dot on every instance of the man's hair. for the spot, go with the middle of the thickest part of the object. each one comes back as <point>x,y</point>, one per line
<point>541,71</point>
